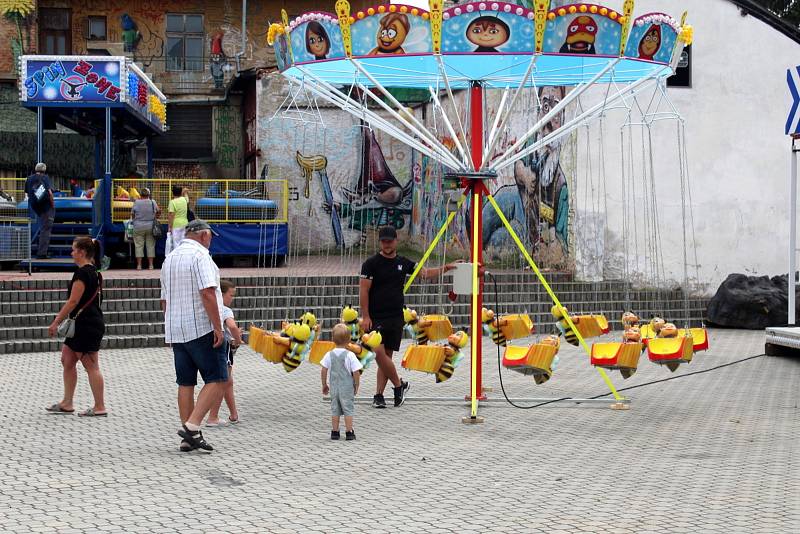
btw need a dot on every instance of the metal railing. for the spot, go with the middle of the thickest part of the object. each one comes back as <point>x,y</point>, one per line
<point>15,236</point>
<point>213,200</point>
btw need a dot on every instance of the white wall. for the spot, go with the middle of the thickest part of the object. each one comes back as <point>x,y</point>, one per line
<point>738,156</point>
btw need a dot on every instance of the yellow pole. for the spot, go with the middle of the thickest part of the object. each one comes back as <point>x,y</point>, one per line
<point>436,239</point>
<point>550,292</point>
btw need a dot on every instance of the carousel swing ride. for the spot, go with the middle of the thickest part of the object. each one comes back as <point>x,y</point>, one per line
<point>357,60</point>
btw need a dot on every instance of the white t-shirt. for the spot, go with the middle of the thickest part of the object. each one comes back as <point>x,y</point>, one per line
<point>351,361</point>
<point>227,313</point>
<point>185,272</point>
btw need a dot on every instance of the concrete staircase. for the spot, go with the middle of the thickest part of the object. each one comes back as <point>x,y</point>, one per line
<point>133,316</point>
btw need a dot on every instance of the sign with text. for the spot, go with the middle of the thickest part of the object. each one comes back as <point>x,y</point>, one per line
<point>85,80</point>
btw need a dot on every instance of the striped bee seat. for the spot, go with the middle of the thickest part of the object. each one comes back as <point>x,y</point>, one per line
<point>536,360</point>
<point>670,351</point>
<point>589,326</point>
<point>621,356</point>
<point>425,358</point>
<point>516,326</point>
<point>319,349</point>
<point>273,347</point>
<point>437,326</point>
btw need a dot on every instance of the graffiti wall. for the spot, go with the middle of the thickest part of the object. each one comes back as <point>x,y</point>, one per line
<point>227,140</point>
<point>534,194</point>
<point>345,180</point>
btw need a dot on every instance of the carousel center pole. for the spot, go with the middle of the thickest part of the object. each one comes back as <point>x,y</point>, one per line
<point>476,190</point>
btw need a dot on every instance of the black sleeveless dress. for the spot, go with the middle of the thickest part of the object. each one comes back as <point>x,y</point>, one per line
<point>89,325</point>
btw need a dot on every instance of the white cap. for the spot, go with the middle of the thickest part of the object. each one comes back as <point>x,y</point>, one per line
<point>41,167</point>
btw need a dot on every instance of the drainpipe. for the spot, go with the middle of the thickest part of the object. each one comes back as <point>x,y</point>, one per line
<point>244,36</point>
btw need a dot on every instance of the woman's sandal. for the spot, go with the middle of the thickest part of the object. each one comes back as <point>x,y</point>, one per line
<point>91,413</point>
<point>56,408</point>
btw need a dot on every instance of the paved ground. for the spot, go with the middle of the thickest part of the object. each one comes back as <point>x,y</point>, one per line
<point>711,452</point>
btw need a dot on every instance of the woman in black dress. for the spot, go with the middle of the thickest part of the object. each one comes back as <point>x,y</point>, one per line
<point>83,305</point>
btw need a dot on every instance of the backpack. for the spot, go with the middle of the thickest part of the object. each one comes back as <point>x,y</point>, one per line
<point>39,199</point>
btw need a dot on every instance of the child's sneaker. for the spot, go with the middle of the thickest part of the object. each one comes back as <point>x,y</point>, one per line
<point>400,393</point>
<point>335,434</point>
<point>350,435</point>
<point>378,401</point>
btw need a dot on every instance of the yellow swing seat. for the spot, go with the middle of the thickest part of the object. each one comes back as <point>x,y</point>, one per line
<point>647,332</point>
<point>438,326</point>
<point>602,323</point>
<point>273,347</point>
<point>516,326</point>
<point>536,360</point>
<point>670,351</point>
<point>425,358</point>
<point>255,336</point>
<point>319,349</point>
<point>699,338</point>
<point>618,356</point>
<point>588,325</point>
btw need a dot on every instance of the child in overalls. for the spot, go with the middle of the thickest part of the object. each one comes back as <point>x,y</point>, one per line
<point>344,370</point>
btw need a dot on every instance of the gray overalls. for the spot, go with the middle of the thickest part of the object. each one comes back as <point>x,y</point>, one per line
<point>341,384</point>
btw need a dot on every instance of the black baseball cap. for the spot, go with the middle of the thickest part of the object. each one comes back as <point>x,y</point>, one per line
<point>387,233</point>
<point>198,225</point>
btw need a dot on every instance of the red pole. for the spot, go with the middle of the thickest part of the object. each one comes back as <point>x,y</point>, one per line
<point>477,190</point>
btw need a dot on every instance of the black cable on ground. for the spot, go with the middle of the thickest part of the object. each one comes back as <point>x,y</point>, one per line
<point>682,375</point>
<point>512,403</point>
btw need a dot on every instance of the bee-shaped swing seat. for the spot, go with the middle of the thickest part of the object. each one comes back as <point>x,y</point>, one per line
<point>507,327</point>
<point>588,326</point>
<point>440,360</point>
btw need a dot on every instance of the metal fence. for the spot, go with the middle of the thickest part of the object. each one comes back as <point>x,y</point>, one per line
<point>15,239</point>
<point>215,201</point>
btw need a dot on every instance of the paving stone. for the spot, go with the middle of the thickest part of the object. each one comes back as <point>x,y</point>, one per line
<point>709,452</point>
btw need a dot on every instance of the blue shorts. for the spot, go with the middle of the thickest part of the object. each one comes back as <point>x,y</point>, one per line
<point>200,355</point>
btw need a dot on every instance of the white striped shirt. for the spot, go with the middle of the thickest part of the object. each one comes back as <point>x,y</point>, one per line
<point>186,271</point>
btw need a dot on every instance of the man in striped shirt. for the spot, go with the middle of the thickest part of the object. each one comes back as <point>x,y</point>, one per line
<point>192,305</point>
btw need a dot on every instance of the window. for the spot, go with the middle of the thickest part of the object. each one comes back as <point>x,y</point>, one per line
<point>189,136</point>
<point>683,72</point>
<point>97,29</point>
<point>55,31</point>
<point>185,38</point>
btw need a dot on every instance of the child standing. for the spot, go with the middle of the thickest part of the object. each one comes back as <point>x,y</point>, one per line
<point>344,380</point>
<point>233,338</point>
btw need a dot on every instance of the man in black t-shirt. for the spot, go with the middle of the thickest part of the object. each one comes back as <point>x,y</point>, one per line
<point>381,299</point>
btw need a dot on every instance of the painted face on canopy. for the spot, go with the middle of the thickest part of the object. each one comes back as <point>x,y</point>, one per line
<point>650,43</point>
<point>391,37</point>
<point>317,44</point>
<point>581,35</point>
<point>487,33</point>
